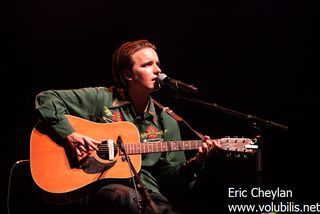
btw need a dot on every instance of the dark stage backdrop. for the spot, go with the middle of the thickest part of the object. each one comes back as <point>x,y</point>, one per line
<point>255,57</point>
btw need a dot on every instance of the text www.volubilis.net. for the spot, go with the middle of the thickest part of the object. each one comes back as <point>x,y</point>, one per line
<point>280,207</point>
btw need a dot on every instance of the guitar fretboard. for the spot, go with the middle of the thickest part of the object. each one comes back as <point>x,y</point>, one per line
<point>163,146</point>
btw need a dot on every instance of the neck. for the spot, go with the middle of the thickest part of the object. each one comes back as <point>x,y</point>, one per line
<point>140,101</point>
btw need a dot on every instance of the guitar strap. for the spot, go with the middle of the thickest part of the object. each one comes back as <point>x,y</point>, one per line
<point>178,118</point>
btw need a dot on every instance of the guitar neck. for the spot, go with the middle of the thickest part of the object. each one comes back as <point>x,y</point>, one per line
<point>163,146</point>
<point>242,145</point>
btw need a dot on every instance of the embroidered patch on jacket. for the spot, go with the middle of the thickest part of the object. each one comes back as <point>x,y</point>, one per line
<point>151,132</point>
<point>114,116</point>
<point>117,116</point>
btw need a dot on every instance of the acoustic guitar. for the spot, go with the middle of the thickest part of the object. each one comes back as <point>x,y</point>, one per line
<point>56,169</point>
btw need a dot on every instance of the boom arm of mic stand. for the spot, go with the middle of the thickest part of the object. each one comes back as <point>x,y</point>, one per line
<point>235,113</point>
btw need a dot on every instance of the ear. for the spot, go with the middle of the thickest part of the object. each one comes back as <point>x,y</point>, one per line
<point>128,75</point>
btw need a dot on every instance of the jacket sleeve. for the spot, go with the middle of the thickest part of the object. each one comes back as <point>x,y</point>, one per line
<point>53,105</point>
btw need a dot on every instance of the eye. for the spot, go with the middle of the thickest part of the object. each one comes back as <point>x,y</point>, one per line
<point>146,64</point>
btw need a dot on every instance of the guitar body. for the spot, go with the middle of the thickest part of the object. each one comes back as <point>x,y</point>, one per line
<point>52,165</point>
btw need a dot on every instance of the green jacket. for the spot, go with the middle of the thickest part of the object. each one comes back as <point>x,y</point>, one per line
<point>159,171</point>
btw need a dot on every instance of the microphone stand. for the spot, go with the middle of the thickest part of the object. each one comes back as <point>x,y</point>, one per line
<point>253,119</point>
<point>142,188</point>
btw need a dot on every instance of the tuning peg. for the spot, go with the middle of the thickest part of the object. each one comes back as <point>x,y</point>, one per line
<point>254,140</point>
<point>252,147</point>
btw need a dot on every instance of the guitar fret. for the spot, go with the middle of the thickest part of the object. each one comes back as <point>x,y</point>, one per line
<point>174,145</point>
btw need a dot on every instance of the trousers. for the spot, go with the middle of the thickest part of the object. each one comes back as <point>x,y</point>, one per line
<point>118,199</point>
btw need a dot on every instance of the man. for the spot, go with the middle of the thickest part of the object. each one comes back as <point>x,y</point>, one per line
<point>135,67</point>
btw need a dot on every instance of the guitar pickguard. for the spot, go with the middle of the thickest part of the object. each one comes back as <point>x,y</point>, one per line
<point>91,165</point>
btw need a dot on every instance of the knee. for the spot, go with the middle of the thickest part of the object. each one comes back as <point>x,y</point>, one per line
<point>115,198</point>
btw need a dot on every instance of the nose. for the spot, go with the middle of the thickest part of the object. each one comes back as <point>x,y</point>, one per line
<point>157,69</point>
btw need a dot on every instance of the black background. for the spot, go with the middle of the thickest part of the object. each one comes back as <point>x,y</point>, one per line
<point>255,57</point>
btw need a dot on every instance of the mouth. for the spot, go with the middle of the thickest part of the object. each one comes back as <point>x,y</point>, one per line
<point>156,79</point>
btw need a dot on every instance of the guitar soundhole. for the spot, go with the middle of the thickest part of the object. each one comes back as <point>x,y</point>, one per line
<point>104,152</point>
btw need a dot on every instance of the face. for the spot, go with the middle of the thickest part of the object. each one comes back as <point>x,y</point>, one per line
<point>145,69</point>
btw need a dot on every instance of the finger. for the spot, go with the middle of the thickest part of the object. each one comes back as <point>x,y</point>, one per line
<point>205,148</point>
<point>208,141</point>
<point>210,144</point>
<point>94,144</point>
<point>200,150</point>
<point>78,152</point>
<point>206,137</point>
<point>216,143</point>
<point>91,143</point>
<point>82,148</point>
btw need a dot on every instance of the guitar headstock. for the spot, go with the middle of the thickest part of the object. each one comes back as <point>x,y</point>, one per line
<point>238,145</point>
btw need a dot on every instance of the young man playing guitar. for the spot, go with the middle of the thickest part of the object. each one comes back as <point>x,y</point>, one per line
<point>135,67</point>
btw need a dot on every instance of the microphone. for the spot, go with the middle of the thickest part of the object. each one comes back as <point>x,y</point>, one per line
<point>176,85</point>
